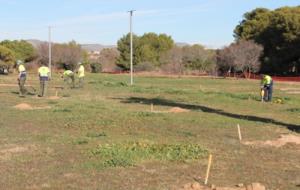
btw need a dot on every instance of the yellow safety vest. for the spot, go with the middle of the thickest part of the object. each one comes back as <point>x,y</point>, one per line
<point>68,73</point>
<point>21,68</point>
<point>44,71</point>
<point>267,80</point>
<point>81,71</point>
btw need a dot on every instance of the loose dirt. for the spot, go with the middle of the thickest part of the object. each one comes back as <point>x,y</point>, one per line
<point>197,186</point>
<point>293,92</point>
<point>290,89</point>
<point>25,106</point>
<point>173,110</point>
<point>283,140</point>
<point>8,85</point>
<point>178,110</point>
<point>9,150</point>
<point>54,98</point>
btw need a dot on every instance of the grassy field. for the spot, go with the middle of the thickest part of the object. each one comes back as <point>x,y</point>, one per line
<point>106,137</point>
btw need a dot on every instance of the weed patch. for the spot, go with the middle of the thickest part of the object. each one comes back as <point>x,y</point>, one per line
<point>64,110</point>
<point>96,135</point>
<point>80,141</point>
<point>294,110</point>
<point>127,154</point>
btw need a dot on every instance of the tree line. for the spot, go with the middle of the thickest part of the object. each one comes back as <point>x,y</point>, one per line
<point>266,41</point>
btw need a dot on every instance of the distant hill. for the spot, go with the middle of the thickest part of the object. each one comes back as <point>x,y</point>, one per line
<point>95,47</point>
<point>87,47</point>
<point>181,44</point>
<point>35,42</point>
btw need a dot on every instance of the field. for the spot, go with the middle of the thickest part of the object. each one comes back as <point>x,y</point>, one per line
<point>107,136</point>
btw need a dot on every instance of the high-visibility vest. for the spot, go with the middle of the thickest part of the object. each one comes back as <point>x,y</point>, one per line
<point>44,71</point>
<point>68,73</point>
<point>267,80</point>
<point>81,71</point>
<point>21,68</point>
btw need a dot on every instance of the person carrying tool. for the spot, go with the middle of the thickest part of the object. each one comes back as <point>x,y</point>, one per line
<point>69,78</point>
<point>21,78</point>
<point>44,75</point>
<point>266,88</point>
<point>81,75</point>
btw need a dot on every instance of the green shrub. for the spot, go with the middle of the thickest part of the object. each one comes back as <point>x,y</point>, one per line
<point>127,154</point>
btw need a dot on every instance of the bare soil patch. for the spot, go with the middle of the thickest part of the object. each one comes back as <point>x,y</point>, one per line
<point>290,89</point>
<point>25,106</point>
<point>173,110</point>
<point>54,98</point>
<point>198,186</point>
<point>9,150</point>
<point>178,110</point>
<point>293,92</point>
<point>281,141</point>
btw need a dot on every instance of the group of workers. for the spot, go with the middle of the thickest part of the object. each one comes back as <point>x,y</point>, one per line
<point>44,77</point>
<point>69,80</point>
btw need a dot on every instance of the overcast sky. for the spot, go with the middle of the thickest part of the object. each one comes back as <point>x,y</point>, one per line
<point>208,22</point>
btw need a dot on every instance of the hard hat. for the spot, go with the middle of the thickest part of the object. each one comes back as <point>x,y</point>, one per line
<point>79,63</point>
<point>19,62</point>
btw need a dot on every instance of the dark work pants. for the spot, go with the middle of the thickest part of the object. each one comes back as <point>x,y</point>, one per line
<point>268,92</point>
<point>22,89</point>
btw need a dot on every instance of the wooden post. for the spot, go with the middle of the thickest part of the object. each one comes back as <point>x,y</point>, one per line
<point>208,169</point>
<point>151,107</point>
<point>56,93</point>
<point>239,132</point>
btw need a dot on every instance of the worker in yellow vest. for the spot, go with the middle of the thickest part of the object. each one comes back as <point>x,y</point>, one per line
<point>44,75</point>
<point>267,88</point>
<point>21,78</point>
<point>81,75</point>
<point>69,78</point>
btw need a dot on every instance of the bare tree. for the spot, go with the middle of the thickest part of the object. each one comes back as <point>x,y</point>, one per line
<point>108,58</point>
<point>173,61</point>
<point>240,56</point>
<point>247,56</point>
<point>63,55</point>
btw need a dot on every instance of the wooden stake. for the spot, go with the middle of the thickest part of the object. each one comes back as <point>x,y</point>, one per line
<point>56,93</point>
<point>151,107</point>
<point>239,132</point>
<point>208,169</point>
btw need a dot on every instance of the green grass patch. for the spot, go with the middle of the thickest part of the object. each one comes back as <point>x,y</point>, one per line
<point>81,141</point>
<point>128,154</point>
<point>294,110</point>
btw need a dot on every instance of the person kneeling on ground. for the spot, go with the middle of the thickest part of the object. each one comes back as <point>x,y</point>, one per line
<point>69,78</point>
<point>81,75</point>
<point>21,78</point>
<point>44,75</point>
<point>267,86</point>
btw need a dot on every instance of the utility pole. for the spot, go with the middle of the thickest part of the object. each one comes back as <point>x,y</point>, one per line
<point>131,48</point>
<point>50,52</point>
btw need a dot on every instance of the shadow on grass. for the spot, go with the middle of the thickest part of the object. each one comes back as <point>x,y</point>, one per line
<point>164,102</point>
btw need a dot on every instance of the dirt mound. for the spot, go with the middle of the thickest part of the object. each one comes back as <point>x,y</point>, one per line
<point>25,106</point>
<point>281,141</point>
<point>197,186</point>
<point>172,110</point>
<point>54,98</point>
<point>178,110</point>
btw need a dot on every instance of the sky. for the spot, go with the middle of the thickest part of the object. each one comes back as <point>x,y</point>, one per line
<point>206,22</point>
